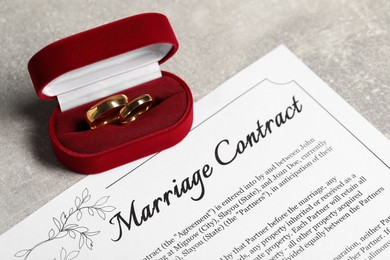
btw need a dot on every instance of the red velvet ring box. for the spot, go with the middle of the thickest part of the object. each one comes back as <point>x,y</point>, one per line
<point>120,57</point>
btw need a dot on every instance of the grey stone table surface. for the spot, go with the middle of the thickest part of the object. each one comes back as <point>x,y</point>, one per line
<point>346,43</point>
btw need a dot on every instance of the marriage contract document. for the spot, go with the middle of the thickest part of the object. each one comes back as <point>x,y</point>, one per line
<point>276,166</point>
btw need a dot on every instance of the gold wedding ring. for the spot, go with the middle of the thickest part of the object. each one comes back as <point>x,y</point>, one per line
<point>133,109</point>
<point>106,111</point>
<point>116,109</point>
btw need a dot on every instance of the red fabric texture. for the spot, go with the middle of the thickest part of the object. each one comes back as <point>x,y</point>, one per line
<point>169,105</point>
<point>92,151</point>
<point>97,44</point>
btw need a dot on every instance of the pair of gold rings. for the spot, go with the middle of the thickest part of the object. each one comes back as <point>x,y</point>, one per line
<point>117,109</point>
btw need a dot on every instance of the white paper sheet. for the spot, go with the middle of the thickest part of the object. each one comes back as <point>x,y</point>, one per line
<point>277,166</point>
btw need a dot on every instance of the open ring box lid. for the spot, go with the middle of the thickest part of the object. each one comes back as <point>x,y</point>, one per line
<point>120,57</point>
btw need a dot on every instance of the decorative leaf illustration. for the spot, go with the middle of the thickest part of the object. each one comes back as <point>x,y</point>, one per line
<point>87,198</point>
<point>70,227</point>
<point>101,201</point>
<point>81,229</point>
<point>91,234</point>
<point>77,202</point>
<point>62,234</point>
<point>57,223</point>
<point>63,254</point>
<point>22,253</point>
<point>51,234</point>
<point>73,255</point>
<point>79,215</point>
<point>81,241</point>
<point>63,228</point>
<point>85,193</point>
<point>108,208</point>
<point>101,214</point>
<point>88,243</point>
<point>63,218</point>
<point>72,234</point>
